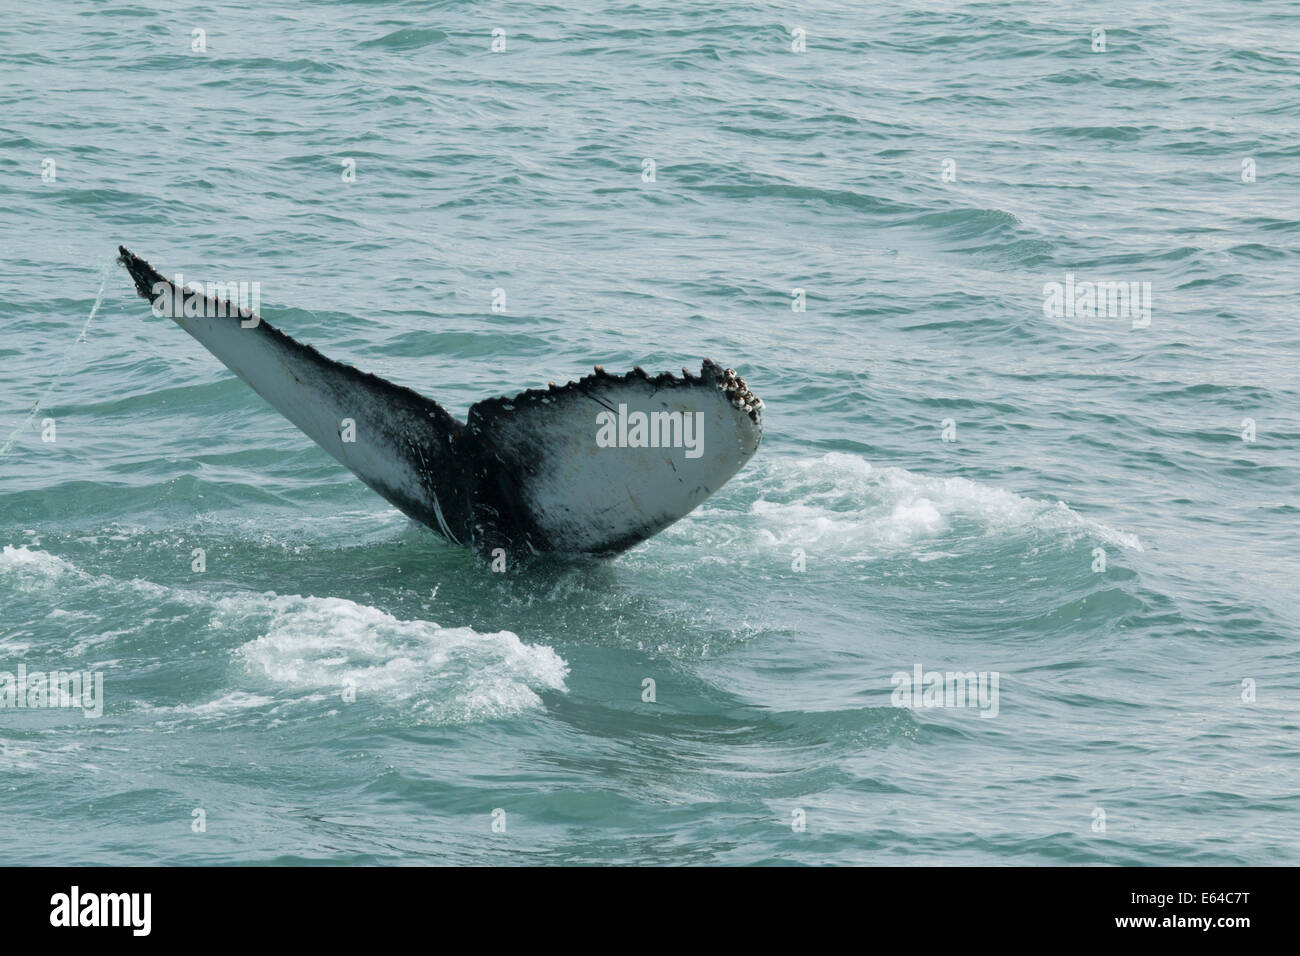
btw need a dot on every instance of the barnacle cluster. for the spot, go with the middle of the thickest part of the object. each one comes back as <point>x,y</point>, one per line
<point>735,389</point>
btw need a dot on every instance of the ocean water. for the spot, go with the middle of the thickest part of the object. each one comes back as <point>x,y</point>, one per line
<point>1100,509</point>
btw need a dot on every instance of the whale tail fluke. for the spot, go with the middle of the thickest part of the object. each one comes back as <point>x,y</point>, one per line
<point>594,466</point>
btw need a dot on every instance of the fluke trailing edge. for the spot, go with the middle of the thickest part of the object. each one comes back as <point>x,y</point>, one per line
<point>594,466</point>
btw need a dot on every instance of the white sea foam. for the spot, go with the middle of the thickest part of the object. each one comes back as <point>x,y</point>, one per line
<point>24,568</point>
<point>456,674</point>
<point>316,648</point>
<point>225,704</point>
<point>842,502</point>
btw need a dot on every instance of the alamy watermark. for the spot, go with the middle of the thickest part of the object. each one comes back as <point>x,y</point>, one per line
<point>41,689</point>
<point>1098,300</point>
<point>213,300</point>
<point>651,430</point>
<point>924,689</point>
<point>75,908</point>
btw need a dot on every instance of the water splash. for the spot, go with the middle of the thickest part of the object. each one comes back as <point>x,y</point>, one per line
<point>63,366</point>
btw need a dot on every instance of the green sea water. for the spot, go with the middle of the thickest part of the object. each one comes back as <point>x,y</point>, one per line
<point>860,207</point>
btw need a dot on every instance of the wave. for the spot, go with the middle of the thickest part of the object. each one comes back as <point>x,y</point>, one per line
<point>343,649</point>
<point>317,649</point>
<point>407,38</point>
<point>842,504</point>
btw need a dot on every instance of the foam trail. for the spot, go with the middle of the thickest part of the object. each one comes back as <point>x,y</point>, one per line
<point>104,271</point>
<point>306,649</point>
<point>845,504</point>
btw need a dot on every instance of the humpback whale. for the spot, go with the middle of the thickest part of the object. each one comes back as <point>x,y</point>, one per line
<point>591,467</point>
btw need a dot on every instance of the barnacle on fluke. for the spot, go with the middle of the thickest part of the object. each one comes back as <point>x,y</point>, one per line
<point>593,466</point>
<point>739,394</point>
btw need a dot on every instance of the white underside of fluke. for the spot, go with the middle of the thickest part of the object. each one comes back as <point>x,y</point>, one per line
<point>328,402</point>
<point>594,466</point>
<point>592,474</point>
